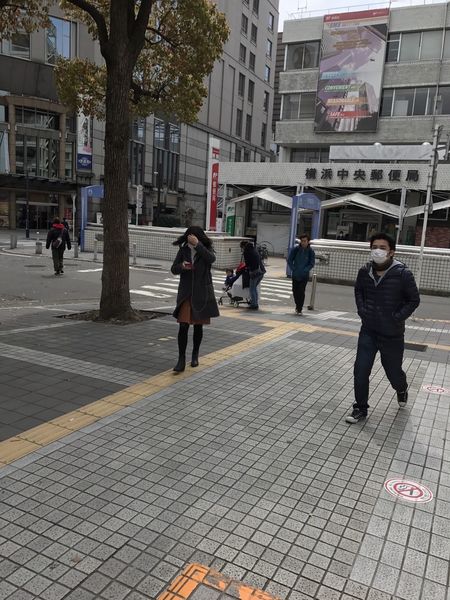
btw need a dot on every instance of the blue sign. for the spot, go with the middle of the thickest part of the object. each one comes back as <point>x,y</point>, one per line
<point>84,161</point>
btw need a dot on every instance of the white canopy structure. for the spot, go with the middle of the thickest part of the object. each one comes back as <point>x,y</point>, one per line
<point>266,194</point>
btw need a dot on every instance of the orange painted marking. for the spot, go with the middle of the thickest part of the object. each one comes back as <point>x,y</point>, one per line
<point>194,575</point>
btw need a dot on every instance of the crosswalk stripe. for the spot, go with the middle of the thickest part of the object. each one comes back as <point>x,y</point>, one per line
<point>151,294</point>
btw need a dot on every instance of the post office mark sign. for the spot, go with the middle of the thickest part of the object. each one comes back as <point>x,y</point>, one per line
<point>408,490</point>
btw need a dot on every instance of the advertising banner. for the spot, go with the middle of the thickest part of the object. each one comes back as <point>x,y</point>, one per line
<point>84,143</point>
<point>351,71</point>
<point>213,184</point>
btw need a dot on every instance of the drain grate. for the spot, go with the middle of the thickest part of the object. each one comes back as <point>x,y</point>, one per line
<point>416,347</point>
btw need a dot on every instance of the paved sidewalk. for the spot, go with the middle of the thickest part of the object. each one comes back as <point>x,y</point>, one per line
<point>245,465</point>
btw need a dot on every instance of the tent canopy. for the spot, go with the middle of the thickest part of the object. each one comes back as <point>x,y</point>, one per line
<point>266,194</point>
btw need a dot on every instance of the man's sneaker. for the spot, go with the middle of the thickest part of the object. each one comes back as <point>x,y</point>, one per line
<point>355,416</point>
<point>402,398</point>
<point>298,313</point>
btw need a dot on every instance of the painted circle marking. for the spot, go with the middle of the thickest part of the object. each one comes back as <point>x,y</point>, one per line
<point>408,490</point>
<point>436,389</point>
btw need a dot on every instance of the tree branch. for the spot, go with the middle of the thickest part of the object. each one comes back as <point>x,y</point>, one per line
<point>97,17</point>
<point>141,24</point>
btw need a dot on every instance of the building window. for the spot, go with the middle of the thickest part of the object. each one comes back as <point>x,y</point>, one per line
<point>256,7</point>
<point>248,128</point>
<point>237,154</point>
<point>68,161</point>
<point>138,129</point>
<point>266,102</point>
<point>271,22</point>
<point>302,56</point>
<point>308,154</point>
<point>241,85</point>
<point>242,53</point>
<point>407,102</point>
<point>246,2</point>
<point>263,134</point>
<point>269,47</point>
<point>266,73</point>
<point>41,119</point>
<point>136,159</point>
<point>166,157</point>
<point>254,34</point>
<point>251,62</point>
<point>418,45</point>
<point>246,155</point>
<point>238,122</point>
<point>244,25</point>
<point>298,106</point>
<point>20,45</point>
<point>37,156</point>
<point>58,39</point>
<point>251,91</point>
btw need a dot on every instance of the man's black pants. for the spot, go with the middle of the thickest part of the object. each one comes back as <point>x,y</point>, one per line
<point>298,290</point>
<point>391,353</point>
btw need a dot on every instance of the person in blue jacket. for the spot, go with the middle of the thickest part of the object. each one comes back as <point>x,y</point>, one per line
<point>386,295</point>
<point>301,260</point>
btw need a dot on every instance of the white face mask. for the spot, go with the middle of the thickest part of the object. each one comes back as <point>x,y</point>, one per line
<point>379,256</point>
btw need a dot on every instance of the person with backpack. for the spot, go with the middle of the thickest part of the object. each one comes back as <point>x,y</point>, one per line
<point>58,239</point>
<point>386,295</point>
<point>301,260</point>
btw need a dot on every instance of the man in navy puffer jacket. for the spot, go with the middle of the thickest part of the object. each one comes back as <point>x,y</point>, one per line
<point>386,295</point>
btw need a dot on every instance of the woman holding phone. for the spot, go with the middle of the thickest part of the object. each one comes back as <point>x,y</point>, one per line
<point>196,302</point>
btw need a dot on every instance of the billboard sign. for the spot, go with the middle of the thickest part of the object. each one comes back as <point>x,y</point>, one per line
<point>351,71</point>
<point>213,184</point>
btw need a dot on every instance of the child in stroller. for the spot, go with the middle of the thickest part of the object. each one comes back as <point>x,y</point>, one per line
<point>236,285</point>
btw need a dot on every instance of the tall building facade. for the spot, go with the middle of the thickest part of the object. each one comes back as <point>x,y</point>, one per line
<point>361,94</point>
<point>48,154</point>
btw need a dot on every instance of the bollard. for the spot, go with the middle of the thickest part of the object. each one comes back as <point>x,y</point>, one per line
<point>13,241</point>
<point>313,292</point>
<point>75,250</point>
<point>95,249</point>
<point>38,248</point>
<point>37,236</point>
<point>134,253</point>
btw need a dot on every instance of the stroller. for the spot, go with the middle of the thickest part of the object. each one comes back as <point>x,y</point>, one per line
<point>239,291</point>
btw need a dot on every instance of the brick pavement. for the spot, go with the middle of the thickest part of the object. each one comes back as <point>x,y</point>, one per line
<point>245,466</point>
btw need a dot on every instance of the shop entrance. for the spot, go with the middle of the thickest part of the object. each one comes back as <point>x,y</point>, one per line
<point>40,216</point>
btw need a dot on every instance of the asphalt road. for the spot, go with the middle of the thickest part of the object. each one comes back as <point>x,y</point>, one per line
<point>30,280</point>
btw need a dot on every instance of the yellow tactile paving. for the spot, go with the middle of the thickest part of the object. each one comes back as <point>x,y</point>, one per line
<point>31,440</point>
<point>195,575</point>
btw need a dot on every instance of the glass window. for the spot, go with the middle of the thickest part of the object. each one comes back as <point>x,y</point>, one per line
<point>393,45</point>
<point>263,134</point>
<point>443,104</point>
<point>20,45</point>
<point>251,91</point>
<point>431,44</point>
<point>266,101</point>
<point>254,34</point>
<point>421,104</point>
<point>242,53</point>
<point>266,73</point>
<point>248,128</point>
<point>138,129</point>
<point>291,106</point>
<point>20,153</point>
<point>251,62</point>
<point>307,105</point>
<point>237,154</point>
<point>241,85</point>
<point>271,22</point>
<point>244,24</point>
<point>159,134</point>
<point>447,44</point>
<point>256,7</point>
<point>58,39</point>
<point>386,103</point>
<point>68,161</point>
<point>246,2</point>
<point>246,156</point>
<point>36,118</point>
<point>302,56</point>
<point>409,47</point>
<point>269,49</point>
<point>238,122</point>
<point>403,102</point>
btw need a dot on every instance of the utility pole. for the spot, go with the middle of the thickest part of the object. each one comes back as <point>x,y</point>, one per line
<point>428,201</point>
<point>27,206</point>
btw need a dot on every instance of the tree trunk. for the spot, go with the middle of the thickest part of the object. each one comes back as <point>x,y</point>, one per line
<point>115,297</point>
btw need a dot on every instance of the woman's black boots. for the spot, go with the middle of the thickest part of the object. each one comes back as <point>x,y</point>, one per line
<point>194,360</point>
<point>181,364</point>
<point>198,335</point>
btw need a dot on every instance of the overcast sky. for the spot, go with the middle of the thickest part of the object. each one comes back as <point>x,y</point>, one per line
<point>322,6</point>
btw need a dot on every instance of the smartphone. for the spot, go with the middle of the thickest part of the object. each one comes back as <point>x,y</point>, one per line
<point>188,265</point>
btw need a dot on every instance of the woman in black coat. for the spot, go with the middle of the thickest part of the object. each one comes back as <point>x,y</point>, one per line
<point>196,302</point>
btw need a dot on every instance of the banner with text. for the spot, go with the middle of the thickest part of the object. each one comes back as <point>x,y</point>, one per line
<point>213,184</point>
<point>351,71</point>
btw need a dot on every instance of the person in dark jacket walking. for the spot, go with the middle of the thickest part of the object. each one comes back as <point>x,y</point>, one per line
<point>386,295</point>
<point>256,271</point>
<point>301,260</point>
<point>196,302</point>
<point>58,238</point>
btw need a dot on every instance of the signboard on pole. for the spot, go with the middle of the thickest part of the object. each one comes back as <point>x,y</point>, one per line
<point>139,198</point>
<point>84,143</point>
<point>351,71</point>
<point>230,219</point>
<point>213,184</point>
